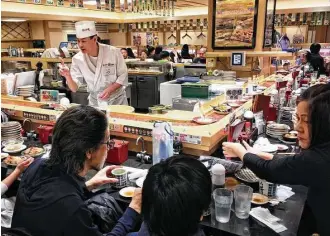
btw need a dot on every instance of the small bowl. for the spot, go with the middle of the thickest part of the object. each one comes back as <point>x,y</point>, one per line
<point>13,142</point>
<point>290,137</point>
<point>127,192</point>
<point>259,199</point>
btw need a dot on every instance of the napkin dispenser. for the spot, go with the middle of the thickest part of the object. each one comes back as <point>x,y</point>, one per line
<point>235,130</point>
<point>118,153</point>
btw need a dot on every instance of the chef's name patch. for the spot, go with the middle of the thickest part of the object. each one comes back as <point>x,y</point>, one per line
<point>108,64</point>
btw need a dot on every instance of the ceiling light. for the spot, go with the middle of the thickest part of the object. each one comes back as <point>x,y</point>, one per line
<point>13,20</point>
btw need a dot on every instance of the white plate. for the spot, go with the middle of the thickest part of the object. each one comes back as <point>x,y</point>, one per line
<point>23,147</point>
<point>261,197</point>
<point>282,147</point>
<point>123,192</point>
<point>139,182</point>
<point>266,148</point>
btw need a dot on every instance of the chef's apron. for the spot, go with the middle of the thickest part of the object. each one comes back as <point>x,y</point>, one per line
<point>118,97</point>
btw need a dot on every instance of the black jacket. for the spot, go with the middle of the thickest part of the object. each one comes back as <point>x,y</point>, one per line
<point>51,202</point>
<point>318,63</point>
<point>310,168</point>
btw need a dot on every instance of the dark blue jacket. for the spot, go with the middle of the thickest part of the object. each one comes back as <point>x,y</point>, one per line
<point>51,202</point>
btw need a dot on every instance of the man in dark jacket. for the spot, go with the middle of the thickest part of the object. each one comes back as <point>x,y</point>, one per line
<point>175,194</point>
<point>316,59</point>
<point>51,197</point>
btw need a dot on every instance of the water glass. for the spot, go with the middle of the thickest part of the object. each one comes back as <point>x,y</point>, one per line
<point>243,197</point>
<point>223,198</point>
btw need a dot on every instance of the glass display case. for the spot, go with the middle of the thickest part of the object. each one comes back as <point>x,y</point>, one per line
<point>148,67</point>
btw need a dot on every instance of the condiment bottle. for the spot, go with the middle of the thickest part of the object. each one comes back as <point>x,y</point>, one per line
<point>218,176</point>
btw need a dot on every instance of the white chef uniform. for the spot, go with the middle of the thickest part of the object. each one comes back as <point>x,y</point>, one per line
<point>110,68</point>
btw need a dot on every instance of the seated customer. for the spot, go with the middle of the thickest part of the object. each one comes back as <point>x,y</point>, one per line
<point>164,56</point>
<point>316,59</point>
<point>309,168</point>
<point>51,197</point>
<point>124,53</point>
<point>175,194</point>
<point>7,204</point>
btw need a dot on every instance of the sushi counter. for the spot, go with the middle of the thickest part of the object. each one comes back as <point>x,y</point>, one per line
<point>199,136</point>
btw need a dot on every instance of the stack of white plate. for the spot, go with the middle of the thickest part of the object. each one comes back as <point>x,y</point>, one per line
<point>277,130</point>
<point>10,130</point>
<point>286,116</point>
<point>25,91</point>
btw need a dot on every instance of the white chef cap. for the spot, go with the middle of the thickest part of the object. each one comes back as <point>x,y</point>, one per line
<point>85,29</point>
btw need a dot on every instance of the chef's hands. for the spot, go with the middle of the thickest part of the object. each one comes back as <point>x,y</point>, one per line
<point>102,177</point>
<point>233,150</point>
<point>64,70</point>
<point>105,94</point>
<point>136,200</point>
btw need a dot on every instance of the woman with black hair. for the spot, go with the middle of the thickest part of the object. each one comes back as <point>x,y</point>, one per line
<point>150,51</point>
<point>130,53</point>
<point>309,168</point>
<point>158,50</point>
<point>185,52</point>
<point>51,197</point>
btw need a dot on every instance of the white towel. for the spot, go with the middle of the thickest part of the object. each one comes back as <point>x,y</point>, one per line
<point>265,217</point>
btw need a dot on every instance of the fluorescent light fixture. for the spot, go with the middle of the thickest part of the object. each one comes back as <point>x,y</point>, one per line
<point>13,20</point>
<point>91,3</point>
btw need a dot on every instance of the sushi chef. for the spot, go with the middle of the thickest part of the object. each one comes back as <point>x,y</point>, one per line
<point>100,66</point>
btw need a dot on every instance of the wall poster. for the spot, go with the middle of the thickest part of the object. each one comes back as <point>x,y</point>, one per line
<point>269,23</point>
<point>234,24</point>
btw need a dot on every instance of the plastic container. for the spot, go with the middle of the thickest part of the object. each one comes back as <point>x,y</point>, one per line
<point>193,90</point>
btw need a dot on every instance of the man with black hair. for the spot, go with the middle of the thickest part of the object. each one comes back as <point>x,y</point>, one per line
<point>316,59</point>
<point>51,197</point>
<point>175,194</point>
<point>98,65</point>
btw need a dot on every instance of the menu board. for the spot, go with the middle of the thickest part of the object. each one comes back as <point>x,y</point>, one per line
<point>234,24</point>
<point>269,23</point>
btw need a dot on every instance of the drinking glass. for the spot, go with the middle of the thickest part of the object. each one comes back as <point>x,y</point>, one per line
<point>243,197</point>
<point>223,198</point>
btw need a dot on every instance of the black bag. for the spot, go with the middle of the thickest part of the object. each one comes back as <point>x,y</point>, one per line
<point>105,211</point>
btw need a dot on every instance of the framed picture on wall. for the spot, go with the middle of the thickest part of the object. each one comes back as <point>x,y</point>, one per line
<point>234,24</point>
<point>269,23</point>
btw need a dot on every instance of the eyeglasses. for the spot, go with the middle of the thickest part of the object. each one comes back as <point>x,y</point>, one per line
<point>110,143</point>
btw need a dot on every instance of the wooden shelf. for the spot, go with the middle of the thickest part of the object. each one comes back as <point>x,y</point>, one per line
<point>18,40</point>
<point>26,49</point>
<point>252,54</point>
<point>35,59</point>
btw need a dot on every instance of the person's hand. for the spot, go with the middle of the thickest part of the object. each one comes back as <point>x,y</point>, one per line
<point>64,70</point>
<point>101,177</point>
<point>233,150</point>
<point>105,94</point>
<point>136,200</point>
<point>250,149</point>
<point>24,164</point>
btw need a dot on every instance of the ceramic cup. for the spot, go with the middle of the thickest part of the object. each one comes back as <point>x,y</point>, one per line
<point>266,188</point>
<point>121,175</point>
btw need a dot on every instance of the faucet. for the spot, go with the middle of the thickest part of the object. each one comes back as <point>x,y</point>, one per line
<point>142,156</point>
<point>140,138</point>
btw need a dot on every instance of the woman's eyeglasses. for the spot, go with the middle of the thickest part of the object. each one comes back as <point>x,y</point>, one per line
<point>110,143</point>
